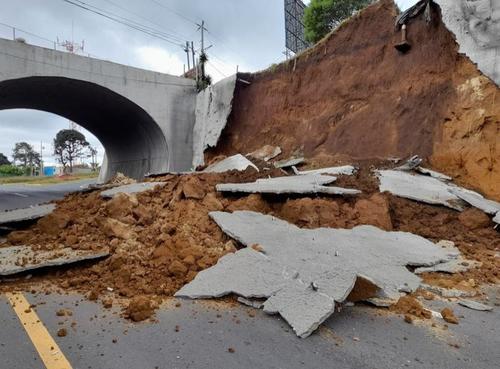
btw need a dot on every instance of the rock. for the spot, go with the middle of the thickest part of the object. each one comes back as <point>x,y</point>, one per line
<point>212,203</point>
<point>114,228</point>
<point>266,153</point>
<point>140,308</point>
<point>193,189</point>
<point>449,316</point>
<point>121,205</point>
<point>53,223</point>
<point>177,268</point>
<point>474,219</point>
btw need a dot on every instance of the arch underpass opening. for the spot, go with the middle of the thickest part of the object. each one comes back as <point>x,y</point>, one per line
<point>134,143</point>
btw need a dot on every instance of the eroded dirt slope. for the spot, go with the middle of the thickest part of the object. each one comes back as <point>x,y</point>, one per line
<point>354,97</point>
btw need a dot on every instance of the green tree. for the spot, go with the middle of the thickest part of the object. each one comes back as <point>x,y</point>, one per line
<point>25,156</point>
<point>10,171</point>
<point>4,160</point>
<point>321,16</point>
<point>69,145</point>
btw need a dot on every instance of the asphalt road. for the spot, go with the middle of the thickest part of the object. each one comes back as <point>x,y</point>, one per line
<point>17,196</point>
<point>359,337</point>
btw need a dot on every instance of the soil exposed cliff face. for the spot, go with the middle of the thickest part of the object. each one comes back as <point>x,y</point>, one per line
<point>354,97</point>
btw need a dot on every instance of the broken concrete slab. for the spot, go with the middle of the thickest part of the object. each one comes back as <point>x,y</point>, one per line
<point>456,265</point>
<point>287,163</point>
<point>447,293</point>
<point>266,152</point>
<point>235,162</point>
<point>303,273</point>
<point>473,198</point>
<point>453,266</point>
<point>433,174</point>
<point>303,184</point>
<point>410,164</point>
<point>347,170</point>
<point>213,106</point>
<point>130,189</point>
<point>496,218</point>
<point>474,305</point>
<point>22,215</point>
<point>256,304</point>
<point>19,259</point>
<point>419,188</point>
<point>414,164</point>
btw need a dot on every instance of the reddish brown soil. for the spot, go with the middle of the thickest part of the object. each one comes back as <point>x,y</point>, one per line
<point>160,240</point>
<point>411,308</point>
<point>353,97</point>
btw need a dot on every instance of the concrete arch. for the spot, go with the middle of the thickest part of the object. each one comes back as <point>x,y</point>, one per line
<point>135,144</point>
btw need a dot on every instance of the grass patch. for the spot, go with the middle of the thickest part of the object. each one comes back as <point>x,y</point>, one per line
<point>47,180</point>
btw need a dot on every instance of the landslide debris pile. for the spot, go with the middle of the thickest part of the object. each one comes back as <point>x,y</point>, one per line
<point>352,99</point>
<point>353,96</point>
<point>160,239</point>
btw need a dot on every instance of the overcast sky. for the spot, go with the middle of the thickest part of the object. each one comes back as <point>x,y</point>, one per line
<point>247,33</point>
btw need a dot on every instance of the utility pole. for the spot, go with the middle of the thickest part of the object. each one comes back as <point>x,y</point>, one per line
<point>41,158</point>
<point>203,29</point>
<point>186,50</point>
<point>194,61</point>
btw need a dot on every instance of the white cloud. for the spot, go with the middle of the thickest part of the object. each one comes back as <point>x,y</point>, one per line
<point>159,59</point>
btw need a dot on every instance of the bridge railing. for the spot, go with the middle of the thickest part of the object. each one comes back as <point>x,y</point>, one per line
<point>17,34</point>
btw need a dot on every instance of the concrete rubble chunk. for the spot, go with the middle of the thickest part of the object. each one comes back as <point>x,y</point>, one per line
<point>19,259</point>
<point>303,273</point>
<point>304,184</point>
<point>235,162</point>
<point>457,265</point>
<point>411,163</point>
<point>130,189</point>
<point>419,188</point>
<point>447,293</point>
<point>287,163</point>
<point>496,219</point>
<point>434,174</point>
<point>347,170</point>
<point>474,305</point>
<point>257,304</point>
<point>473,198</point>
<point>21,215</point>
<point>266,152</point>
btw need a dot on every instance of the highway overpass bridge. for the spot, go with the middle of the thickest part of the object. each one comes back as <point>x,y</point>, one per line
<point>144,119</point>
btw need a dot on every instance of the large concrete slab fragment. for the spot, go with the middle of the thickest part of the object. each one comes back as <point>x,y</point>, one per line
<point>347,170</point>
<point>130,189</point>
<point>213,106</point>
<point>478,201</point>
<point>476,26</point>
<point>419,188</point>
<point>303,184</point>
<point>303,273</point>
<point>19,259</point>
<point>22,215</point>
<point>235,162</point>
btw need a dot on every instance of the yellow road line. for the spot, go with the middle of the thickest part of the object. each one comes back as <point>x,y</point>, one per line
<point>47,348</point>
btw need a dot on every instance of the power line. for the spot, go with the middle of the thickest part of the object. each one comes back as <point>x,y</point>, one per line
<point>124,21</point>
<point>172,32</point>
<point>174,12</point>
<point>217,69</point>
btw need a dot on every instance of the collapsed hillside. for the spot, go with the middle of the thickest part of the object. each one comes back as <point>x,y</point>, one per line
<point>354,97</point>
